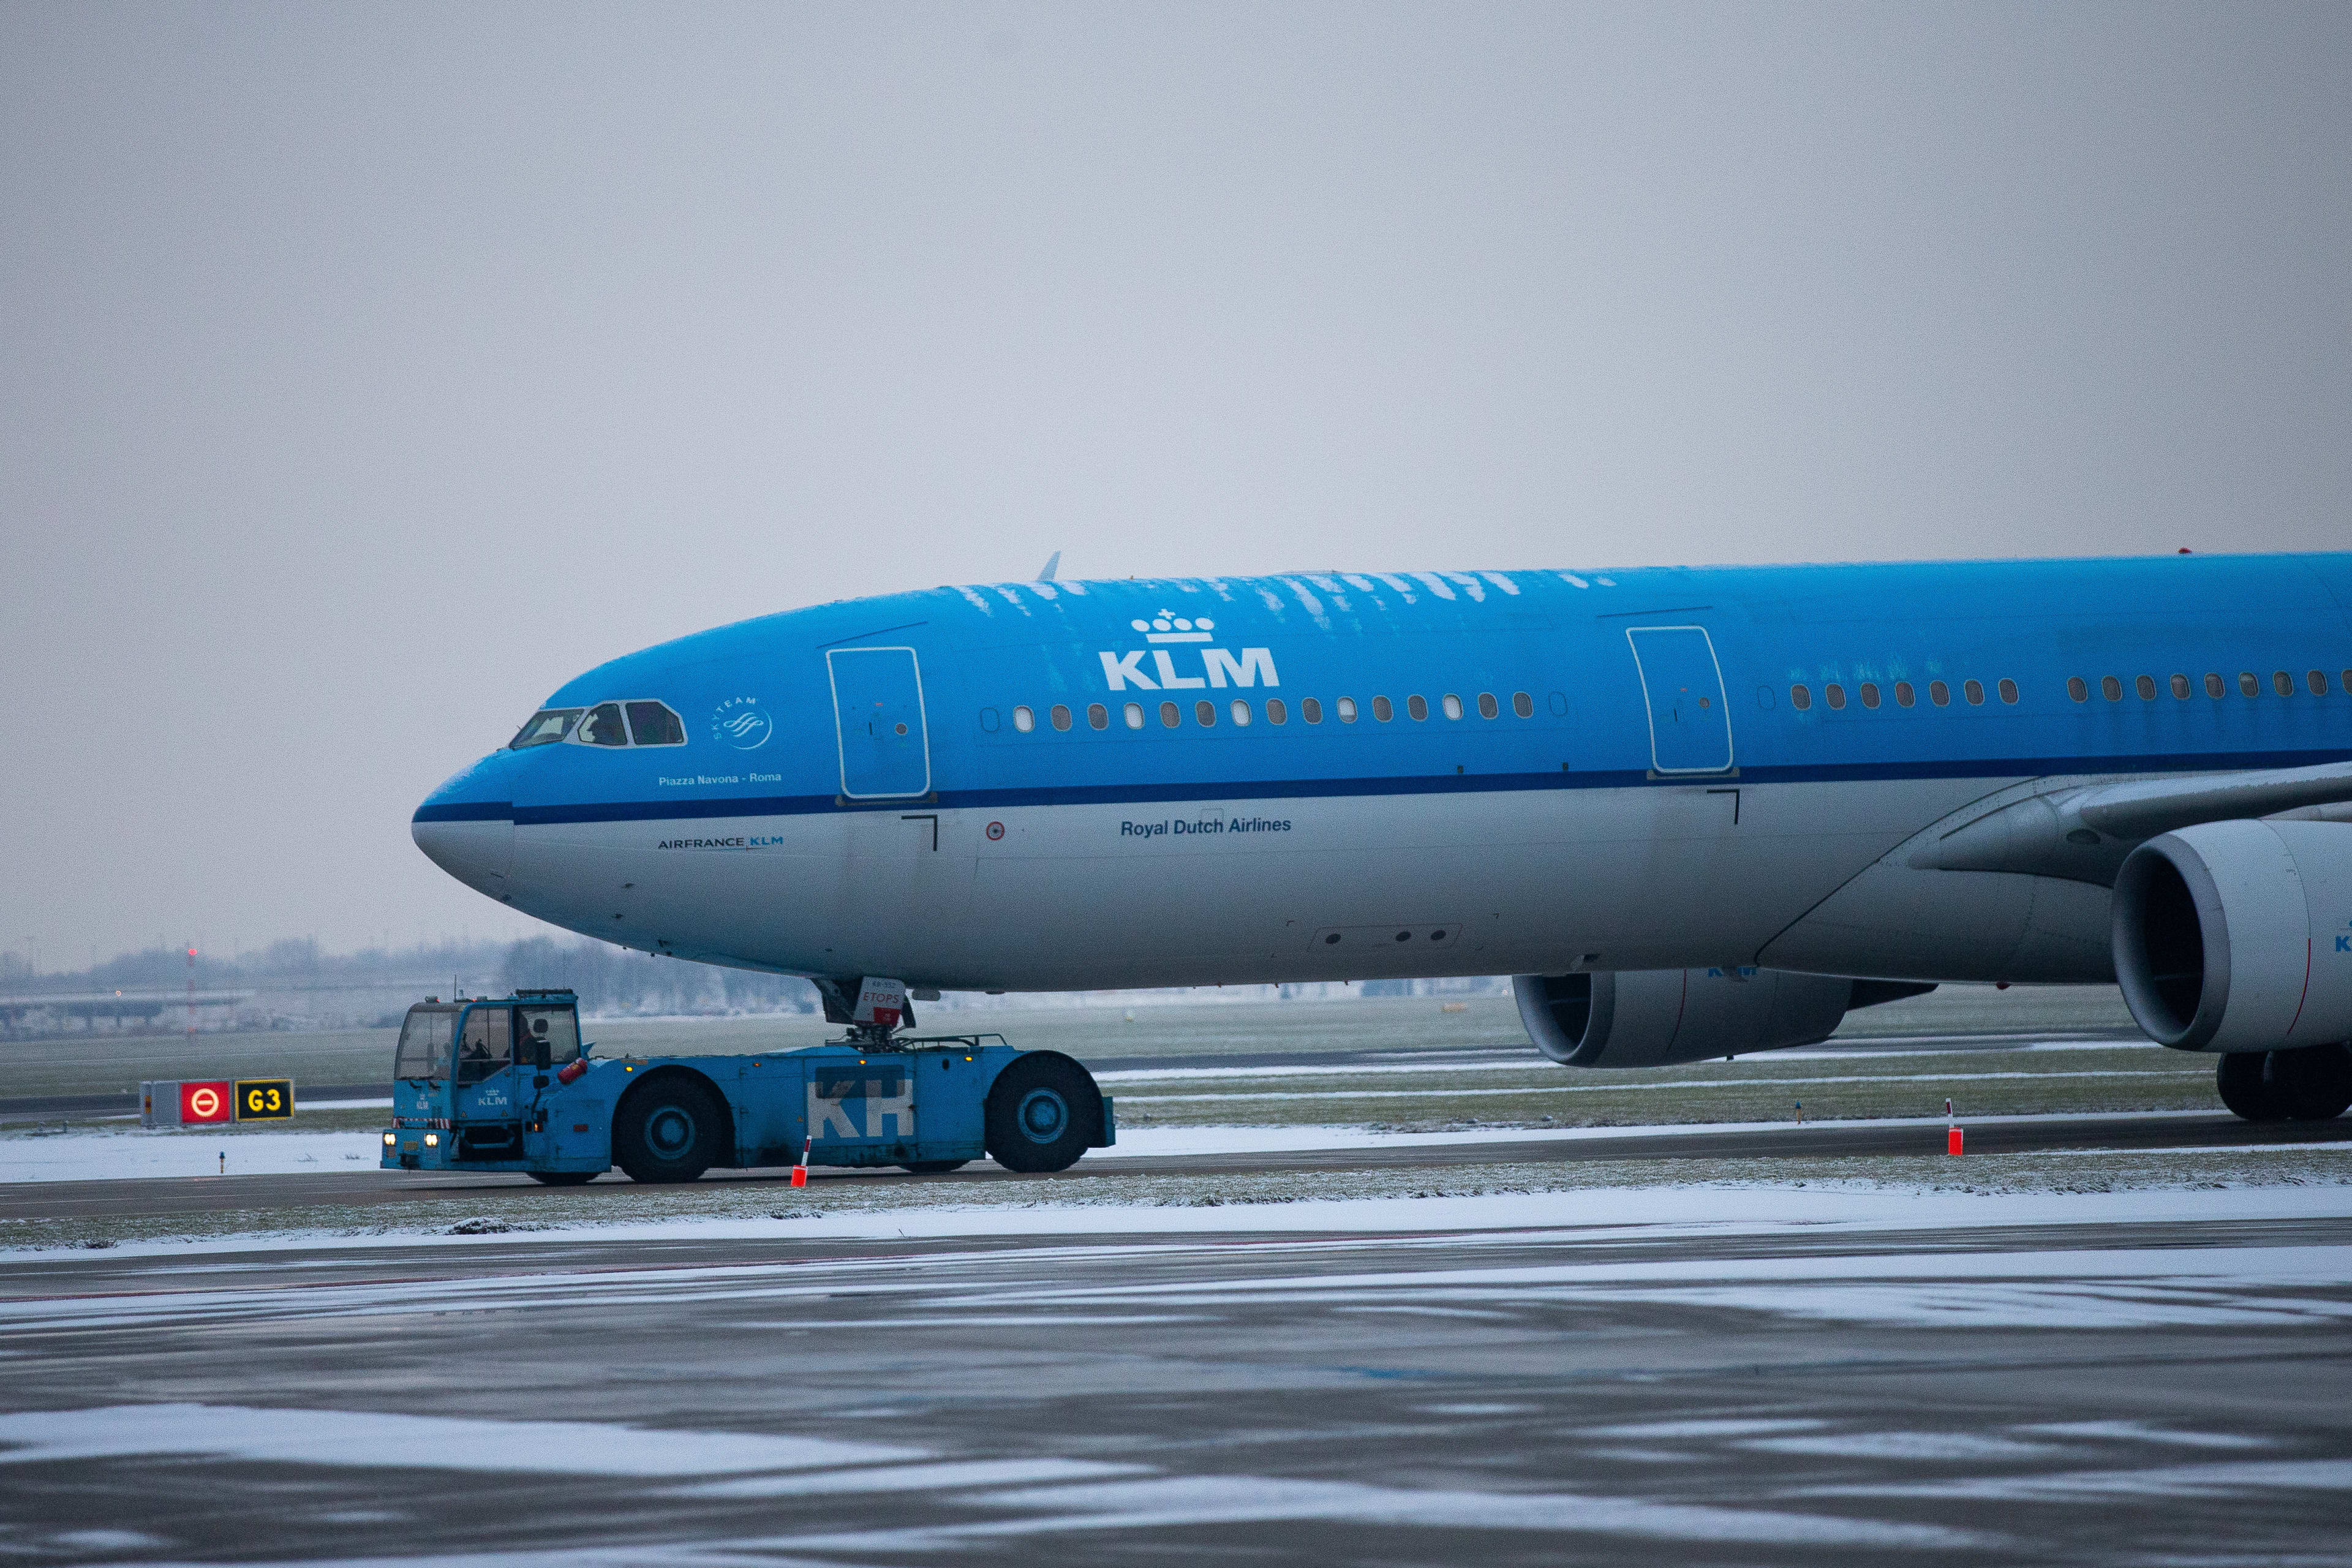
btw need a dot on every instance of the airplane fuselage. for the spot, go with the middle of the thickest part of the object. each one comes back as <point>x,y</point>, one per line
<point>1342,776</point>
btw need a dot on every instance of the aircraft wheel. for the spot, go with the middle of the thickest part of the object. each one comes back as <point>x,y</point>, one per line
<point>2316,1081</point>
<point>564,1178</point>
<point>933,1167</point>
<point>1043,1112</point>
<point>2249,1087</point>
<point>667,1132</point>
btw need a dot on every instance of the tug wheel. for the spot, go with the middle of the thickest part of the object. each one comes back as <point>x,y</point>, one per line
<point>667,1130</point>
<point>1043,1112</point>
<point>563,1178</point>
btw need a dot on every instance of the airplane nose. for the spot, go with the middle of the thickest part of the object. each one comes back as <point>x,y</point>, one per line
<point>470,838</point>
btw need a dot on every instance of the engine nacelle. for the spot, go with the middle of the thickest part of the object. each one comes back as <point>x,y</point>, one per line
<point>1656,1017</point>
<point>2237,936</point>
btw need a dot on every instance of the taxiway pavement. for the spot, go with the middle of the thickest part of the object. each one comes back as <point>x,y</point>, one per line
<point>1993,1383</point>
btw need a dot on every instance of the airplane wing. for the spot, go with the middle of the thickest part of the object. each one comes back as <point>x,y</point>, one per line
<point>2083,834</point>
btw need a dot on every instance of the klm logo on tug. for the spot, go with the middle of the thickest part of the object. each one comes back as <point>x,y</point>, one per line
<point>1219,668</point>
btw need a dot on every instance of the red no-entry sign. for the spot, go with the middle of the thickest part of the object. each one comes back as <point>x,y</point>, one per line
<point>205,1102</point>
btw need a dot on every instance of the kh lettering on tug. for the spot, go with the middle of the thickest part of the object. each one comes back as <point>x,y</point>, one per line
<point>1696,812</point>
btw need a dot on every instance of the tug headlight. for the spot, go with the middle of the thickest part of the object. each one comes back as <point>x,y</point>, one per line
<point>388,1139</point>
<point>433,1140</point>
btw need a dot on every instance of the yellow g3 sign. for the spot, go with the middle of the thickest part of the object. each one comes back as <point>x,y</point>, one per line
<point>265,1098</point>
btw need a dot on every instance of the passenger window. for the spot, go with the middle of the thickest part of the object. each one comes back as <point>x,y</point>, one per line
<point>1170,715</point>
<point>484,1047</point>
<point>652,724</point>
<point>1903,695</point>
<point>1275,713</point>
<point>559,1026</point>
<point>1383,710</point>
<point>1799,699</point>
<point>1024,719</point>
<point>2146,686</point>
<point>1205,713</point>
<point>1870,694</point>
<point>1098,716</point>
<point>1133,715</point>
<point>2180,686</point>
<point>1241,712</point>
<point>2347,683</point>
<point>2317,680</point>
<point>1417,708</point>
<point>2214,687</point>
<point>547,726</point>
<point>1346,708</point>
<point>602,727</point>
<point>2248,684</point>
<point>1836,694</point>
<point>1450,706</point>
<point>2283,683</point>
<point>2111,688</point>
<point>1487,707</point>
<point>1310,711</point>
<point>2008,690</point>
<point>1939,694</point>
<point>1061,716</point>
<point>1974,691</point>
<point>1523,705</point>
<point>2078,688</point>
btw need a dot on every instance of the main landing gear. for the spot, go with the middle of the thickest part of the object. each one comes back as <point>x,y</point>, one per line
<point>2313,1084</point>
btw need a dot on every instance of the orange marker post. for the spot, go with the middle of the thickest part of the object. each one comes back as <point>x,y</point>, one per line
<point>1951,1131</point>
<point>800,1171</point>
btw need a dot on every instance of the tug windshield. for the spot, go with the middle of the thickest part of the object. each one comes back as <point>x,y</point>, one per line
<point>488,1043</point>
<point>425,1039</point>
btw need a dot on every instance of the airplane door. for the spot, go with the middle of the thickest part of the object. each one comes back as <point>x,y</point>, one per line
<point>878,709</point>
<point>1690,727</point>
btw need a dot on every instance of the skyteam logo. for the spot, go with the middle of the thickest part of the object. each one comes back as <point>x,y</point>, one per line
<point>1218,666</point>
<point>743,723</point>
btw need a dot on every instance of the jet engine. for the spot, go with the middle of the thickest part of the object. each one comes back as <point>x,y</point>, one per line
<point>2237,936</point>
<point>1656,1017</point>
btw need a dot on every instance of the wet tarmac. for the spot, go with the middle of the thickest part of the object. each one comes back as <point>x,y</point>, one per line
<point>2164,1391</point>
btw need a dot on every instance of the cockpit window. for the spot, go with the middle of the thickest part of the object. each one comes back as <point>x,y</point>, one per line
<point>654,724</point>
<point>547,726</point>
<point>602,727</point>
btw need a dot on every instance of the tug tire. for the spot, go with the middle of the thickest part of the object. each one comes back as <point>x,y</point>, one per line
<point>668,1129</point>
<point>1041,1112</point>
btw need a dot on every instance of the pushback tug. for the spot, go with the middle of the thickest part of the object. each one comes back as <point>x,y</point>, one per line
<point>505,1084</point>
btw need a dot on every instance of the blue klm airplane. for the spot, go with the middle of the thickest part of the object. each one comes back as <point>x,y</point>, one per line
<point>1696,812</point>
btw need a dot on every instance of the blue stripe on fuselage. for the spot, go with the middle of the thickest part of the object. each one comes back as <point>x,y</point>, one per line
<point>1328,634</point>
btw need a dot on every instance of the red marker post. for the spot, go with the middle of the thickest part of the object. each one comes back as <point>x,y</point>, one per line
<point>1951,1131</point>
<point>800,1171</point>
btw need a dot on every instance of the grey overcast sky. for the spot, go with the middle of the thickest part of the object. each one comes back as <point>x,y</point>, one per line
<point>367,370</point>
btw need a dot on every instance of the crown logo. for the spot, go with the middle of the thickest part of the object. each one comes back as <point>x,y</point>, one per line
<point>1170,627</point>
